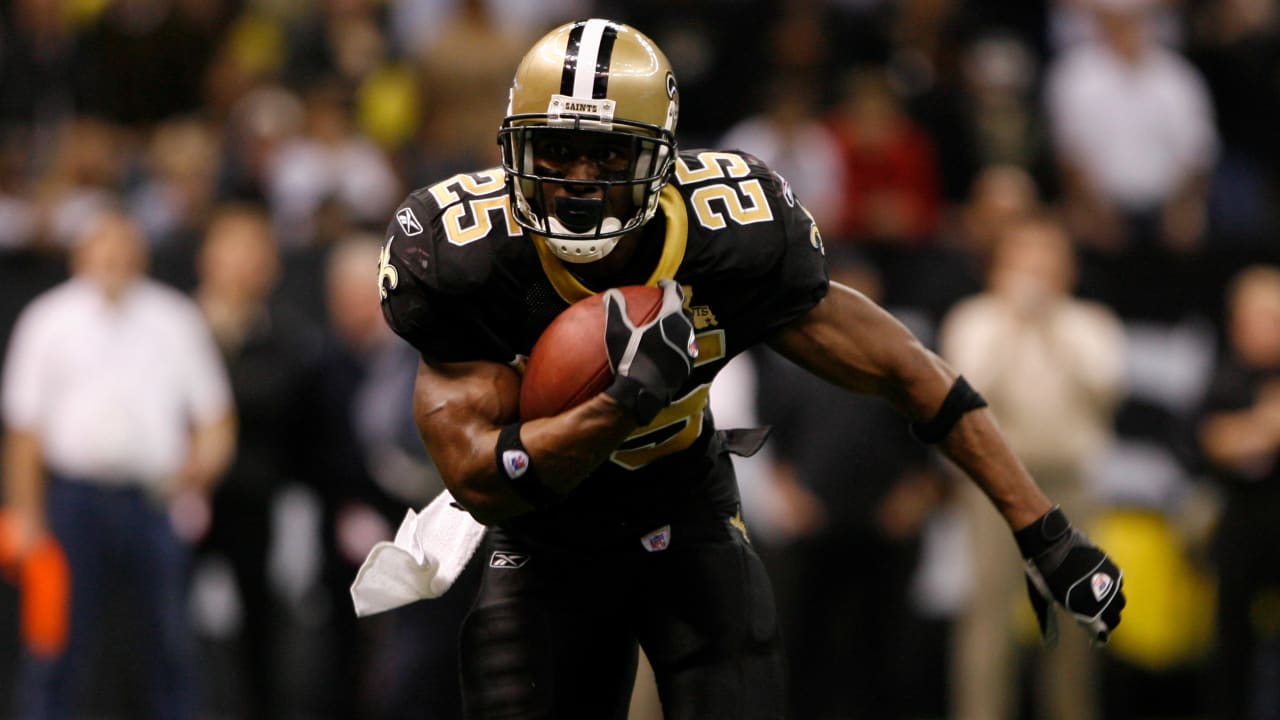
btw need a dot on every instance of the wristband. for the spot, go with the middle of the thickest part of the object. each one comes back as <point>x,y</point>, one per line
<point>515,464</point>
<point>960,399</point>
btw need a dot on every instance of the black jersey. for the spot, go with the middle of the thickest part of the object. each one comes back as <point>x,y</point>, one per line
<point>460,280</point>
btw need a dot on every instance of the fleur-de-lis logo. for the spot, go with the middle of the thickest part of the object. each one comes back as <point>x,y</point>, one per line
<point>388,276</point>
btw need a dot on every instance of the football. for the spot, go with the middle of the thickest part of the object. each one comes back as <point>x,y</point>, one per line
<point>569,363</point>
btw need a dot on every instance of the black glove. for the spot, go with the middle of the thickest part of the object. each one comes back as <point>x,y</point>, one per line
<point>1063,566</point>
<point>652,361</point>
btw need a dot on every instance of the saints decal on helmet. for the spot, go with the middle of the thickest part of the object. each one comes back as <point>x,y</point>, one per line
<point>606,84</point>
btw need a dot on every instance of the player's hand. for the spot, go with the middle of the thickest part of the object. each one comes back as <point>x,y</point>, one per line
<point>1064,567</point>
<point>652,361</point>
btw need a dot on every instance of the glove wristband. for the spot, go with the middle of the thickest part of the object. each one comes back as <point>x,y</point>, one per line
<point>643,405</point>
<point>1040,536</point>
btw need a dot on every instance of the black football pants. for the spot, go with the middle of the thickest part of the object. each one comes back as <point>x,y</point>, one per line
<point>554,632</point>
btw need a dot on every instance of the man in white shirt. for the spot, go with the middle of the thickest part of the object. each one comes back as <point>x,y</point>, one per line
<point>1134,132</point>
<point>1134,135</point>
<point>118,420</point>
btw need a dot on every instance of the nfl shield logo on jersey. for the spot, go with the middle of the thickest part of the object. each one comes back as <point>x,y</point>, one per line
<point>659,539</point>
<point>408,221</point>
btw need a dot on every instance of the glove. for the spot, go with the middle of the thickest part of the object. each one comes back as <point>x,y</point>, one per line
<point>652,361</point>
<point>1064,567</point>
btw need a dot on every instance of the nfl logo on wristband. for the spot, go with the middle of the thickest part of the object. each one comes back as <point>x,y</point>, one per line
<point>515,462</point>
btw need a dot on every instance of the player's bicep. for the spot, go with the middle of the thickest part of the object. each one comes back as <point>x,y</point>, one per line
<point>457,405</point>
<point>851,342</point>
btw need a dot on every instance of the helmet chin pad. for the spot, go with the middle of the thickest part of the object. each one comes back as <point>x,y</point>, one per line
<point>579,215</point>
<point>590,247</point>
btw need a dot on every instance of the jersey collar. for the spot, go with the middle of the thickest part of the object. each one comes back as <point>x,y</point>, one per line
<point>671,204</point>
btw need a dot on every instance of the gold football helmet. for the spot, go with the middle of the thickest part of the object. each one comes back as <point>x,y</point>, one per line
<point>606,84</point>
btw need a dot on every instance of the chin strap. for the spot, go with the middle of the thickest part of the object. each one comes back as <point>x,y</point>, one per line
<point>584,250</point>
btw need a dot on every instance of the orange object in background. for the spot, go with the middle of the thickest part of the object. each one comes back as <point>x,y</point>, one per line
<point>44,589</point>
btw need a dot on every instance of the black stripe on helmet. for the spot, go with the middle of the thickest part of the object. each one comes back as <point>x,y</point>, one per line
<point>600,89</point>
<point>571,59</point>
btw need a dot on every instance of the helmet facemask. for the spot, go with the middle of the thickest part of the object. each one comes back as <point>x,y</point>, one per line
<point>584,227</point>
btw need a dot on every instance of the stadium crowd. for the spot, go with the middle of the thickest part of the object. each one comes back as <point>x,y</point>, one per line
<point>1071,200</point>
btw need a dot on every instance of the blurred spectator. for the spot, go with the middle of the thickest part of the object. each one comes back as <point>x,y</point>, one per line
<point>394,458</point>
<point>140,61</point>
<point>82,179</point>
<point>174,196</point>
<point>788,136</point>
<point>1052,368</point>
<point>891,205</point>
<point>1239,436</point>
<point>342,40</point>
<point>1000,75</point>
<point>417,24</point>
<point>389,107</point>
<point>1073,22</point>
<point>925,69</point>
<point>250,54</point>
<point>717,48</point>
<point>270,356</point>
<point>956,267</point>
<point>863,27</point>
<point>1025,22</point>
<point>373,467</point>
<point>466,91</point>
<point>797,43</point>
<point>1133,128</point>
<point>1236,44</point>
<point>17,211</point>
<point>850,482</point>
<point>119,422</point>
<point>329,165</point>
<point>1134,137</point>
<point>258,124</point>
<point>36,69</point>
<point>891,177</point>
<point>1001,194</point>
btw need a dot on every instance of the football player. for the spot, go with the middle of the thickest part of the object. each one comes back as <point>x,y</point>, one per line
<point>614,525</point>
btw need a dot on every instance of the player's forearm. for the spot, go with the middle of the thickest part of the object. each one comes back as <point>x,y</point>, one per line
<point>570,446</point>
<point>976,445</point>
<point>974,442</point>
<point>562,451</point>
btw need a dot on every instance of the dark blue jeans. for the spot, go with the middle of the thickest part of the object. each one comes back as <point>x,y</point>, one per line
<point>116,539</point>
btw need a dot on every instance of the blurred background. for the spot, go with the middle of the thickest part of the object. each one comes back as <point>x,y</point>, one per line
<point>1073,201</point>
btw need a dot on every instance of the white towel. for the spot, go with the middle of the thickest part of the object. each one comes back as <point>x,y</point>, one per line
<point>430,550</point>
